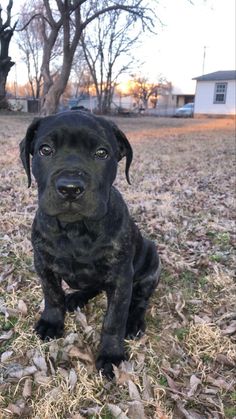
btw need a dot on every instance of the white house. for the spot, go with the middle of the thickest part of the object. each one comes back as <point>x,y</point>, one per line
<point>215,94</point>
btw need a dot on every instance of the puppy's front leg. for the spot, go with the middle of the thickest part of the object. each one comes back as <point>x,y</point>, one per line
<point>114,325</point>
<point>51,323</point>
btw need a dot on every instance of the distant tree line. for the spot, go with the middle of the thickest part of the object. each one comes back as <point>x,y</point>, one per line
<point>91,41</point>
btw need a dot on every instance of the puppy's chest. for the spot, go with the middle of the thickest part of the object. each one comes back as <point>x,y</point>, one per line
<point>79,259</point>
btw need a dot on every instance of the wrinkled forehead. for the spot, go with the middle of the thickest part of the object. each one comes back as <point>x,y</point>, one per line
<point>74,132</point>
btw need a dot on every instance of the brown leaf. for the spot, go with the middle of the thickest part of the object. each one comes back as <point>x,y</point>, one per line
<point>123,373</point>
<point>194,384</point>
<point>136,410</point>
<point>18,371</point>
<point>116,411</point>
<point>27,390</point>
<point>160,414</point>
<point>188,414</point>
<point>53,350</point>
<point>75,352</point>
<point>147,393</point>
<point>6,355</point>
<point>39,362</point>
<point>71,338</point>
<point>230,329</point>
<point>223,359</point>
<point>41,378</point>
<point>81,318</point>
<point>133,391</point>
<point>22,307</point>
<point>17,408</point>
<point>6,335</point>
<point>171,383</point>
<point>14,409</point>
<point>219,382</point>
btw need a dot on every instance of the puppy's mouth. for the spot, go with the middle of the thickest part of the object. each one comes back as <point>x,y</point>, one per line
<point>72,211</point>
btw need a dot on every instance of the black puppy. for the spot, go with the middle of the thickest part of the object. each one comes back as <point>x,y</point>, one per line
<point>82,231</point>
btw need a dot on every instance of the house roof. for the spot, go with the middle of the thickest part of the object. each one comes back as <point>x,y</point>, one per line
<point>217,75</point>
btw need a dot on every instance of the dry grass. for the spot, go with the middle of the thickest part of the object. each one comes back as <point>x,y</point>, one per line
<point>184,367</point>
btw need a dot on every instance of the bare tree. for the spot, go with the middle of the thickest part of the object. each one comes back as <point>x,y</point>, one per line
<point>68,21</point>
<point>104,45</point>
<point>80,77</point>
<point>6,32</point>
<point>30,43</point>
<point>144,91</point>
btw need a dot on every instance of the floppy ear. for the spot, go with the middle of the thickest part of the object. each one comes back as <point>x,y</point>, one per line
<point>125,149</point>
<point>26,147</point>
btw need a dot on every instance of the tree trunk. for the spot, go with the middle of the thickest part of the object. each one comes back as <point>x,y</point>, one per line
<point>5,66</point>
<point>6,33</point>
<point>52,98</point>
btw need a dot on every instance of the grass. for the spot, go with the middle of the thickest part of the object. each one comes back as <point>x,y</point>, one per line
<point>182,197</point>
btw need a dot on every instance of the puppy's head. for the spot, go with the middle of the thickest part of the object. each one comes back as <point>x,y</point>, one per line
<point>74,161</point>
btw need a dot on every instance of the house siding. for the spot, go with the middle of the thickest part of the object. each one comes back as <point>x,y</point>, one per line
<point>204,98</point>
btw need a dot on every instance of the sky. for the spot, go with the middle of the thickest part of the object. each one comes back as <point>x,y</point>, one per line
<point>176,50</point>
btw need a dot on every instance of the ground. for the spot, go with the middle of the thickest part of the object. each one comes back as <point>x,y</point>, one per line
<point>184,366</point>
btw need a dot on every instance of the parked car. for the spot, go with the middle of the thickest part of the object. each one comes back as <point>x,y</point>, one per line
<point>185,111</point>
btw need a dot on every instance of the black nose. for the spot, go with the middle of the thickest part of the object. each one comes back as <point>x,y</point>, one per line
<point>69,188</point>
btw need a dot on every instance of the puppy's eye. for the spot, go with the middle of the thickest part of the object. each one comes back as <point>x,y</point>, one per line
<point>45,150</point>
<point>101,153</point>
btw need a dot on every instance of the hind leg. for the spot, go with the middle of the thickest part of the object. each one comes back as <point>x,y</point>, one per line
<point>142,290</point>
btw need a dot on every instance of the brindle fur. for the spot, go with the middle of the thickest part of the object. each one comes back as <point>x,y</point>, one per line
<point>92,243</point>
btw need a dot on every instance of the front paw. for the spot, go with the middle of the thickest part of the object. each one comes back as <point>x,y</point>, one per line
<point>48,330</point>
<point>74,300</point>
<point>105,363</point>
<point>135,329</point>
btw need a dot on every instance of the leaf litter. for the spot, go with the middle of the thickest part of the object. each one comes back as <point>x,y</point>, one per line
<point>184,367</point>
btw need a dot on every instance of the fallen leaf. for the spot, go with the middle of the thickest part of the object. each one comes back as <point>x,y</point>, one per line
<point>133,391</point>
<point>136,410</point>
<point>116,411</point>
<point>53,350</point>
<point>14,409</point>
<point>17,408</point>
<point>194,384</point>
<point>147,392</point>
<point>172,385</point>
<point>81,318</point>
<point>18,371</point>
<point>22,307</point>
<point>6,355</point>
<point>230,329</point>
<point>159,413</point>
<point>64,373</point>
<point>219,382</point>
<point>27,390</point>
<point>41,378</point>
<point>71,338</point>
<point>188,414</point>
<point>123,373</point>
<point>223,359</point>
<point>72,379</point>
<point>75,352</point>
<point>39,362</point>
<point>6,335</point>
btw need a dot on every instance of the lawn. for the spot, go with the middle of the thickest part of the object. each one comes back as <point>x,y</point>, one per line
<point>182,196</point>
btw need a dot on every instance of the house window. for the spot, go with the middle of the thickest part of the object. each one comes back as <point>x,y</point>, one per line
<point>220,93</point>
